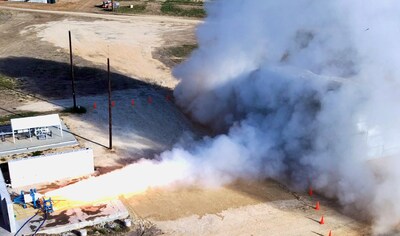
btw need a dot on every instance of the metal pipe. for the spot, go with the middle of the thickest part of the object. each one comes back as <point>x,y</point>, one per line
<point>72,69</point>
<point>109,104</point>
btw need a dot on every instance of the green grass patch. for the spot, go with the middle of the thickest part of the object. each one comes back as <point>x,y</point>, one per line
<point>37,153</point>
<point>6,82</point>
<point>172,8</point>
<point>137,8</point>
<point>186,2</point>
<point>181,51</point>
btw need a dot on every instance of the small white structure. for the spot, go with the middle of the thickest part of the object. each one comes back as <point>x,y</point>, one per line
<point>40,124</point>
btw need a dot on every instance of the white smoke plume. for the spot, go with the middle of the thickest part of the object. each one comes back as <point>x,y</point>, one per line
<point>304,92</point>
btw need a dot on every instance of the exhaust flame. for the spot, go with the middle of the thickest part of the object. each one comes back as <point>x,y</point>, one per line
<point>132,179</point>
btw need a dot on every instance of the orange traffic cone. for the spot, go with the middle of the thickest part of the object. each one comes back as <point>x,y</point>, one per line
<point>94,105</point>
<point>317,206</point>
<point>330,233</point>
<point>321,222</point>
<point>310,192</point>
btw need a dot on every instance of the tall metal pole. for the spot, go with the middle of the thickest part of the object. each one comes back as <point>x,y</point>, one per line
<point>109,103</point>
<point>72,69</point>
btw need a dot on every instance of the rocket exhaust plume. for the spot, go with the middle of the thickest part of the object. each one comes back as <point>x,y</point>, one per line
<point>304,92</point>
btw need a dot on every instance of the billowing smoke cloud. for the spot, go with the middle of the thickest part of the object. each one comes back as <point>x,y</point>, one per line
<point>302,91</point>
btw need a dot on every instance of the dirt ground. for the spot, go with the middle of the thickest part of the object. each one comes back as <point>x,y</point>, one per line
<point>34,52</point>
<point>129,44</point>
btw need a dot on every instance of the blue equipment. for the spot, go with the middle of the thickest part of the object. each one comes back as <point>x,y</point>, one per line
<point>20,199</point>
<point>48,206</point>
<point>33,192</point>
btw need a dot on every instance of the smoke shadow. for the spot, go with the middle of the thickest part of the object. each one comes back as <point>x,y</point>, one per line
<point>47,79</point>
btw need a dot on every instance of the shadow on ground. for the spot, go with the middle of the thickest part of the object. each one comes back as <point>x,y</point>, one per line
<point>52,80</point>
<point>160,122</point>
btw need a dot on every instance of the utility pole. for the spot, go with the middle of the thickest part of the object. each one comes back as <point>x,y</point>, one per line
<point>72,70</point>
<point>109,104</point>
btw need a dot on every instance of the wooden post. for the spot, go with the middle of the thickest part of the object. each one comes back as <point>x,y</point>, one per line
<point>109,104</point>
<point>72,70</point>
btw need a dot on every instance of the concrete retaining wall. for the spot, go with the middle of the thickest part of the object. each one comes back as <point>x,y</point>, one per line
<point>50,168</point>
